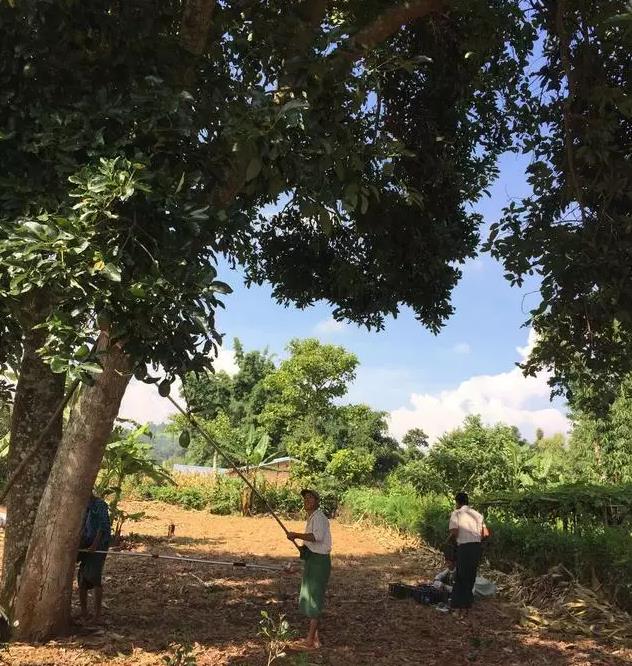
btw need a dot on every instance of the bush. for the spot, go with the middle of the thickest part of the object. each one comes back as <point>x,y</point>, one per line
<point>220,496</point>
<point>188,497</point>
<point>576,506</point>
<point>604,552</point>
<point>225,497</point>
<point>285,499</point>
<point>351,466</point>
<point>401,508</point>
<point>421,475</point>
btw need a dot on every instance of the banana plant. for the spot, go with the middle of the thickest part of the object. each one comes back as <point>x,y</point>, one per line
<point>127,455</point>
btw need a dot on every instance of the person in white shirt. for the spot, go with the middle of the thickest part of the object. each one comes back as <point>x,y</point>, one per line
<point>467,529</point>
<point>315,552</point>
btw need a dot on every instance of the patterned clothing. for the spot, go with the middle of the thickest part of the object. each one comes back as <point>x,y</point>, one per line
<point>97,520</point>
<point>446,578</point>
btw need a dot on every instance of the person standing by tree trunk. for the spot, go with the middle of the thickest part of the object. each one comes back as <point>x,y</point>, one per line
<point>315,553</point>
<point>95,536</point>
<point>467,528</point>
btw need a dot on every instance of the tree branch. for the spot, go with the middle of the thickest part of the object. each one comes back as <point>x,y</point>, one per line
<point>311,14</point>
<point>391,21</point>
<point>196,25</point>
<point>565,58</point>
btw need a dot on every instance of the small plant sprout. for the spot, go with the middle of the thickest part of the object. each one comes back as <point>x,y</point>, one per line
<point>180,655</point>
<point>276,634</point>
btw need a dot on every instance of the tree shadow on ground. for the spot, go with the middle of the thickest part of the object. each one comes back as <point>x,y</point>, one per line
<point>153,604</point>
<point>152,541</point>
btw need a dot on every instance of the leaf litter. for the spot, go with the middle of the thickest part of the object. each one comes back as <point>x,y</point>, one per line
<point>153,606</point>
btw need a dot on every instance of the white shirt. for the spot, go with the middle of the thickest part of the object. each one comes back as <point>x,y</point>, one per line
<point>469,524</point>
<point>318,525</point>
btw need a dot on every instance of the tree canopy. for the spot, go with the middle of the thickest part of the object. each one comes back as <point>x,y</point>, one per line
<point>294,407</point>
<point>131,161</point>
<point>332,149</point>
<point>574,229</point>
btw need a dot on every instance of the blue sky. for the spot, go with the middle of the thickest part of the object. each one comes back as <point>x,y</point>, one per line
<point>420,379</point>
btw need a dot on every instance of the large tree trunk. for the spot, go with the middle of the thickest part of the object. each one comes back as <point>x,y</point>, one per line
<point>38,394</point>
<point>42,603</point>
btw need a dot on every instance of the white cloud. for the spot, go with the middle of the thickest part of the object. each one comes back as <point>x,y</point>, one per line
<point>462,348</point>
<point>508,397</point>
<point>143,404</point>
<point>526,350</point>
<point>329,326</point>
<point>226,361</point>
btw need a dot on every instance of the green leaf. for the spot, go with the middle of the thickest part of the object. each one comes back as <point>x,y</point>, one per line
<point>112,272</point>
<point>82,353</point>
<point>254,169</point>
<point>137,290</point>
<point>221,287</point>
<point>42,231</point>
<point>58,366</point>
<point>78,249</point>
<point>87,379</point>
<point>325,221</point>
<point>92,367</point>
<point>294,105</point>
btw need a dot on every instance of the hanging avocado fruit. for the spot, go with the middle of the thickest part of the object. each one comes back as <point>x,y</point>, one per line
<point>164,388</point>
<point>185,439</point>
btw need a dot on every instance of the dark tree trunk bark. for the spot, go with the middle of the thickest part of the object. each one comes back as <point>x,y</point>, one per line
<point>38,394</point>
<point>42,603</point>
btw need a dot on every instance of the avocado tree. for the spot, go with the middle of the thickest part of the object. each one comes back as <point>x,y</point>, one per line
<point>138,146</point>
<point>574,229</point>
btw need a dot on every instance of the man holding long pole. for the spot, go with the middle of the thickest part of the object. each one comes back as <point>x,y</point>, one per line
<point>315,553</point>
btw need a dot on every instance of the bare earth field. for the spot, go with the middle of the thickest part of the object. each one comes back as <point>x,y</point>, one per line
<point>152,604</point>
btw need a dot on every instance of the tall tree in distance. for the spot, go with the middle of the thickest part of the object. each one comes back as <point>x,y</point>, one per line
<point>415,443</point>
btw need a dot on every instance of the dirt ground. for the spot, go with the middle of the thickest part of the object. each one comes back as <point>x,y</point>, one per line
<point>153,604</point>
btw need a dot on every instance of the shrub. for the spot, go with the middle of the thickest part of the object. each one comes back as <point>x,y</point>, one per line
<point>601,551</point>
<point>421,475</point>
<point>399,508</point>
<point>283,499</point>
<point>220,496</point>
<point>225,497</point>
<point>576,506</point>
<point>351,466</point>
